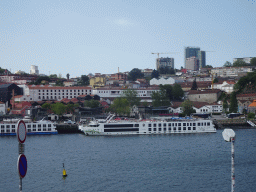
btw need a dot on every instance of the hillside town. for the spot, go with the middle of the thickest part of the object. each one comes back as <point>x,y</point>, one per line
<point>163,90</point>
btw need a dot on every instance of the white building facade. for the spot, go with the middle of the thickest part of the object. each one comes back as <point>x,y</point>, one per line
<point>48,92</point>
<point>162,81</point>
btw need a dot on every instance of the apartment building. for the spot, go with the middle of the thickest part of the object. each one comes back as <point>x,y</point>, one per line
<point>118,91</point>
<point>230,71</point>
<point>49,92</point>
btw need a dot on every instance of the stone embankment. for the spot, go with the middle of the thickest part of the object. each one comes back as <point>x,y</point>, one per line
<point>233,123</point>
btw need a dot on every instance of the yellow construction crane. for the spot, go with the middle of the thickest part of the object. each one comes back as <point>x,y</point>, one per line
<point>164,53</point>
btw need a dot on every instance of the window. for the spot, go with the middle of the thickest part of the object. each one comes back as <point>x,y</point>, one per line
<point>49,125</point>
<point>154,129</point>
<point>39,125</point>
<point>44,125</point>
<point>184,124</point>
<point>13,126</point>
<point>159,125</point>
<point>154,124</point>
<point>34,125</point>
<point>194,128</point>
<point>179,128</point>
<point>208,123</point>
<point>149,129</point>
<point>179,124</point>
<point>160,129</point>
<point>189,128</point>
<point>149,125</point>
<point>164,124</point>
<point>164,129</point>
<point>184,128</point>
<point>29,126</point>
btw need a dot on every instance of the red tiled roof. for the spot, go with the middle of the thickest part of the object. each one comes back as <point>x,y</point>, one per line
<point>253,104</point>
<point>247,95</point>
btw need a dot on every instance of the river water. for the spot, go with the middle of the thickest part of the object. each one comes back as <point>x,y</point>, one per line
<point>178,162</point>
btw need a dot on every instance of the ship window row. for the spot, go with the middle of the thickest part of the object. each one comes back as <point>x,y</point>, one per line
<point>8,126</point>
<point>174,129</point>
<point>39,125</point>
<point>173,124</point>
<point>203,124</point>
<point>39,129</point>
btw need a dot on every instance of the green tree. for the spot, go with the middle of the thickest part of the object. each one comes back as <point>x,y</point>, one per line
<point>194,85</point>
<point>233,103</point>
<point>120,106</point>
<point>135,74</point>
<point>70,108</point>
<point>59,83</point>
<point>41,78</point>
<point>92,103</point>
<point>227,64</point>
<point>187,107</point>
<point>251,115</point>
<point>239,63</point>
<point>155,74</point>
<point>168,89</point>
<point>53,76</point>
<point>47,106</point>
<point>58,108</point>
<point>84,80</point>
<point>132,97</point>
<point>159,98</point>
<point>207,66</point>
<point>225,105</point>
<point>253,61</point>
<point>215,80</point>
<point>246,81</point>
<point>178,93</point>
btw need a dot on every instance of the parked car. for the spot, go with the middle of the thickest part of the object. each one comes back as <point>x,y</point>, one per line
<point>69,122</point>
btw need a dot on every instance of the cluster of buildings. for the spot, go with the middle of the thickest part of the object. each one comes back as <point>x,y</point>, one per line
<point>16,93</point>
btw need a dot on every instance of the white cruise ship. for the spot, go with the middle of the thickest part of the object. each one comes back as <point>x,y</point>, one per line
<point>164,126</point>
<point>42,127</point>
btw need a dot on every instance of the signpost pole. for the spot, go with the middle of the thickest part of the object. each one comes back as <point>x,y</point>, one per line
<point>20,184</point>
<point>22,160</point>
<point>232,164</point>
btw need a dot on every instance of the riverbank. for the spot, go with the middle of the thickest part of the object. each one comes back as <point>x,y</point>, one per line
<point>233,123</point>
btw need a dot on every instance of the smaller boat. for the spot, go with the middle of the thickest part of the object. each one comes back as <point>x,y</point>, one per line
<point>42,127</point>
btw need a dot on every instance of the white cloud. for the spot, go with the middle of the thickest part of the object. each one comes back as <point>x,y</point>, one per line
<point>123,22</point>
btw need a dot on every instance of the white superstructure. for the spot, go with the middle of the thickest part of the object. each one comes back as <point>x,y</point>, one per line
<point>164,126</point>
<point>42,127</point>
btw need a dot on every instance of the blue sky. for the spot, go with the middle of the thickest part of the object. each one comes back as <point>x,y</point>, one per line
<point>81,37</point>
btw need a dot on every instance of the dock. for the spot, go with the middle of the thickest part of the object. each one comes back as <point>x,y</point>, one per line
<point>67,128</point>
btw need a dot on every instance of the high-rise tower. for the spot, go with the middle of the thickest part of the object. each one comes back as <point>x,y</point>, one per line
<point>194,52</point>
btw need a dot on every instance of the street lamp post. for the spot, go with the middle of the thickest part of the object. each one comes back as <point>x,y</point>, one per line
<point>229,136</point>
